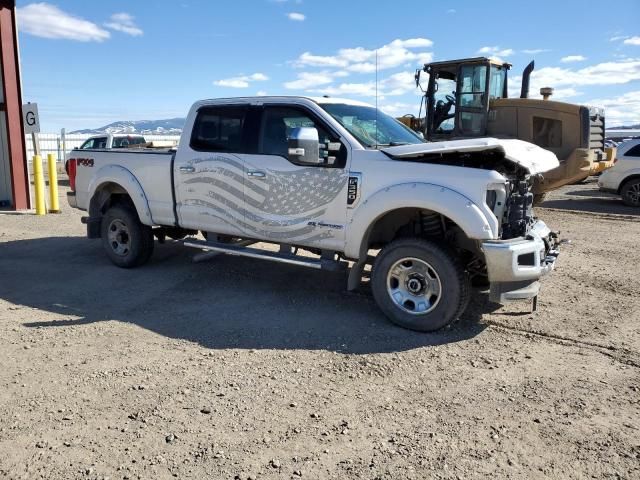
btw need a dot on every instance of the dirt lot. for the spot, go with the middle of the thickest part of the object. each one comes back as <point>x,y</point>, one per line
<point>241,369</point>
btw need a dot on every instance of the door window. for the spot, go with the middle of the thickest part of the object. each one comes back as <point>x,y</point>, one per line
<point>473,80</point>
<point>219,129</point>
<point>87,145</point>
<point>445,106</point>
<point>277,125</point>
<point>633,152</point>
<point>94,143</point>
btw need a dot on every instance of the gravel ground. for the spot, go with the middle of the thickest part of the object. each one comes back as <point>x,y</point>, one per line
<point>241,369</point>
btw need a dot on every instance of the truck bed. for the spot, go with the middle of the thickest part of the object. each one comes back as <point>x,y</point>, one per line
<point>150,168</point>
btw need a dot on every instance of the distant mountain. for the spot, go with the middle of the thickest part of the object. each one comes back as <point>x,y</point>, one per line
<point>171,126</point>
<point>625,127</point>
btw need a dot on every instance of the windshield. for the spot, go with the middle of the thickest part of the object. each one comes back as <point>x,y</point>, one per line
<point>370,126</point>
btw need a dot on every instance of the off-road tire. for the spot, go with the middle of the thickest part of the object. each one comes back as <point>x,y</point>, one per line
<point>455,287</point>
<point>627,191</point>
<point>134,250</point>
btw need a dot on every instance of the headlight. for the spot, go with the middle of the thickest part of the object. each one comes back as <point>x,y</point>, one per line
<point>495,198</point>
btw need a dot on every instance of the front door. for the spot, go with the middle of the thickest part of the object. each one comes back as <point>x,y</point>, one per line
<point>209,171</point>
<point>289,203</point>
<point>472,101</point>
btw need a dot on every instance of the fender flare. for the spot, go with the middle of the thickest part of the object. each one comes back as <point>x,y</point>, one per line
<point>128,181</point>
<point>453,205</point>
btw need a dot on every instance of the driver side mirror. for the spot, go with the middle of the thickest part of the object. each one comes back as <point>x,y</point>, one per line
<point>304,146</point>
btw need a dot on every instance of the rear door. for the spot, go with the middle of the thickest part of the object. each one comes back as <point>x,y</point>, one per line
<point>290,203</point>
<point>209,171</point>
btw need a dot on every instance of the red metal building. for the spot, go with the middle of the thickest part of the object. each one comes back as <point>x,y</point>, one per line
<point>14,176</point>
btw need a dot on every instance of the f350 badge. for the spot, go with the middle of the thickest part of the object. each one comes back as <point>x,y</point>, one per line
<point>353,189</point>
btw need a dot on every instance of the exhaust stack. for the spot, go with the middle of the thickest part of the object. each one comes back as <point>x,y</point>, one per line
<point>526,76</point>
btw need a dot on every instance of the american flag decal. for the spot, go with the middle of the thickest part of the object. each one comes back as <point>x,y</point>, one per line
<point>298,198</point>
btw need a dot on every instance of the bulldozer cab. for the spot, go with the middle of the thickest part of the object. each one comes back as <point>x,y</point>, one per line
<point>458,96</point>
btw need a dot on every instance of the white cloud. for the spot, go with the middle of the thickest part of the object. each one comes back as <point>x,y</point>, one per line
<point>398,109</point>
<point>617,38</point>
<point>632,41</point>
<point>558,93</point>
<point>123,22</point>
<point>535,51</point>
<point>573,58</point>
<point>308,80</point>
<point>567,82</point>
<point>261,93</point>
<point>621,110</point>
<point>48,21</point>
<point>242,81</point>
<point>496,51</point>
<point>362,60</point>
<point>605,73</point>
<point>398,84</point>
<point>296,17</point>
<point>367,89</point>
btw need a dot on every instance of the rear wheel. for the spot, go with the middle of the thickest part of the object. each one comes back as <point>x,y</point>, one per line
<point>419,285</point>
<point>631,192</point>
<point>127,242</point>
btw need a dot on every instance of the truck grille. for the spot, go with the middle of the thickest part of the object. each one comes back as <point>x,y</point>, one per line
<point>596,131</point>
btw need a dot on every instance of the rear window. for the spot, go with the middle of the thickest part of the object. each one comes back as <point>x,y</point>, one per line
<point>123,142</point>
<point>219,129</point>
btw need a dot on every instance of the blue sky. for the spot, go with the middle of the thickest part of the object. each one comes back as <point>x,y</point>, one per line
<point>89,63</point>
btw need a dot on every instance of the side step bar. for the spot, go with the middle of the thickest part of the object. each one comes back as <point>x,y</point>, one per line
<point>291,259</point>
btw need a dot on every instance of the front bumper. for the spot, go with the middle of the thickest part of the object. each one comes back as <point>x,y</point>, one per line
<point>515,266</point>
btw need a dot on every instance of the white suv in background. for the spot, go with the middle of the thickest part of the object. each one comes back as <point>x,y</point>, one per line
<point>624,177</point>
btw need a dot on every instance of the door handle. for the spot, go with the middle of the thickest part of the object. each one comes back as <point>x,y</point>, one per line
<point>187,169</point>
<point>256,174</point>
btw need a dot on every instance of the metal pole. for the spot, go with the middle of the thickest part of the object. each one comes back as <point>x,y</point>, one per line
<point>54,203</point>
<point>35,138</point>
<point>38,180</point>
<point>63,134</point>
<point>59,146</point>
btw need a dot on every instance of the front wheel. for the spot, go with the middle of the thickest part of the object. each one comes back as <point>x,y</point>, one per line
<point>419,284</point>
<point>631,192</point>
<point>127,242</point>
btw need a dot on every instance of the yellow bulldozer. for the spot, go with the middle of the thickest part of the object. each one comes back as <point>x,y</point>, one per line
<point>469,98</point>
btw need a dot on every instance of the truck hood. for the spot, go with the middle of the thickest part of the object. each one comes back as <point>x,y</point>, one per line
<point>527,155</point>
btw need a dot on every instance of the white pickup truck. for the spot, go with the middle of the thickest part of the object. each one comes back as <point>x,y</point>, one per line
<point>112,140</point>
<point>341,181</point>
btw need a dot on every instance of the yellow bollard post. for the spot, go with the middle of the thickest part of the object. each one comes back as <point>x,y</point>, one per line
<point>54,202</point>
<point>38,180</point>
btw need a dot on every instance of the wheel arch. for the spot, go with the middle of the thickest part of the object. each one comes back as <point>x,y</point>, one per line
<point>398,202</point>
<point>116,181</point>
<point>633,176</point>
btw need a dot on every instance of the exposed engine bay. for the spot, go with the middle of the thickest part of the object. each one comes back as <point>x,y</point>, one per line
<point>518,217</point>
